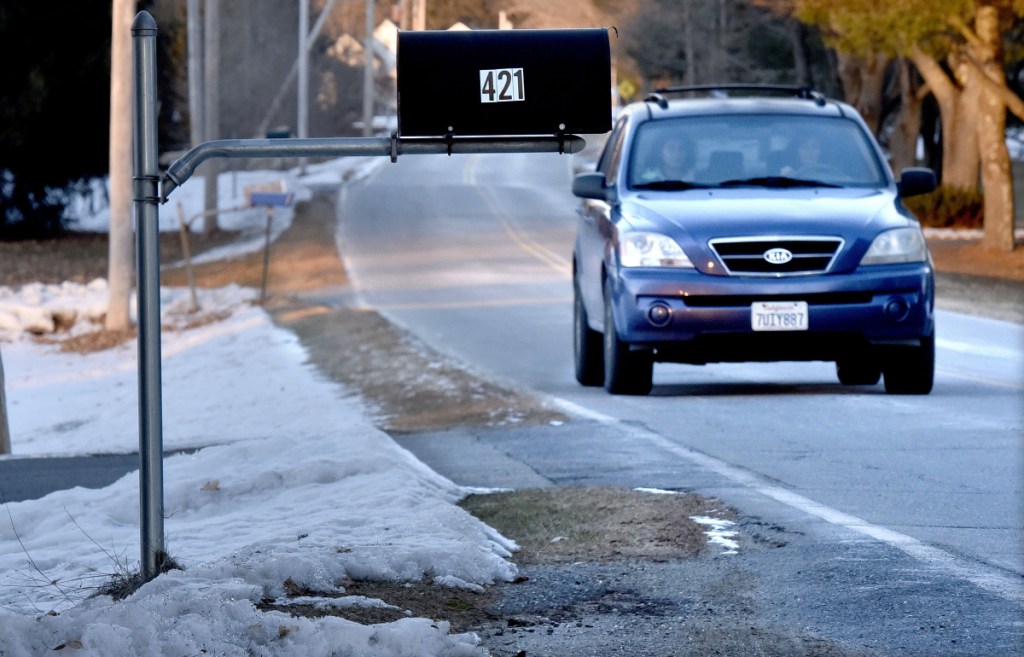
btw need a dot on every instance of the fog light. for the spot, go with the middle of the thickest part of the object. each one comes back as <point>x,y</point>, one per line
<point>897,309</point>
<point>659,314</point>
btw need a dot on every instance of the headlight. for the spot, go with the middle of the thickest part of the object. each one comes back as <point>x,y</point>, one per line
<point>898,245</point>
<point>651,250</point>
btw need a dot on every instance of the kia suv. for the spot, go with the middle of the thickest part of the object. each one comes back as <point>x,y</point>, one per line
<point>738,224</point>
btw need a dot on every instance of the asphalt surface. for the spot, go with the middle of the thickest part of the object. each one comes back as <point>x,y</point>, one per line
<point>31,478</point>
<point>866,526</point>
<point>795,587</point>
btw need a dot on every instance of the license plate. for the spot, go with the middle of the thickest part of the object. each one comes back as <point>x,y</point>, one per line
<point>778,315</point>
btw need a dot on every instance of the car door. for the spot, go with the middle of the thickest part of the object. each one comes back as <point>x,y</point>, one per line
<point>594,227</point>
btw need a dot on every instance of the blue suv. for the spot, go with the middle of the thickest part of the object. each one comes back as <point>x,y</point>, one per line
<point>738,224</point>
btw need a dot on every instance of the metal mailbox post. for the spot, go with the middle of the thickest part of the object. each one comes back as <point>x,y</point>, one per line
<point>488,91</point>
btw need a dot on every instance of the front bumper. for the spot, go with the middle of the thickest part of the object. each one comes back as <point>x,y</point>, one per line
<point>709,318</point>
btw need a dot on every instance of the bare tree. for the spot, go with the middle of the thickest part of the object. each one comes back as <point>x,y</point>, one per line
<point>119,265</point>
<point>706,41</point>
<point>970,89</point>
<point>906,128</point>
<point>5,430</point>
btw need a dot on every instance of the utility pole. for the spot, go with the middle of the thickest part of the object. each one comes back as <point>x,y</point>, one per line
<point>368,72</point>
<point>404,14</point>
<point>302,122</point>
<point>120,257</point>
<point>211,114</point>
<point>195,73</point>
<point>302,130</point>
<point>419,14</point>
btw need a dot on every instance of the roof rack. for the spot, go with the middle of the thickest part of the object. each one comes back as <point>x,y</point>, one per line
<point>658,95</point>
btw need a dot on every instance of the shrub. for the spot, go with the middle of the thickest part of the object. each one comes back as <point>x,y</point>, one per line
<point>949,207</point>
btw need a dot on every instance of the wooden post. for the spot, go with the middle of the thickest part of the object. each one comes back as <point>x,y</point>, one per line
<point>266,256</point>
<point>183,227</point>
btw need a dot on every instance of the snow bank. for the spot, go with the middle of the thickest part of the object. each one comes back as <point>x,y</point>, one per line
<point>293,483</point>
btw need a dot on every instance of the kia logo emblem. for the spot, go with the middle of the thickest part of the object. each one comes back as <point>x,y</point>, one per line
<point>778,256</point>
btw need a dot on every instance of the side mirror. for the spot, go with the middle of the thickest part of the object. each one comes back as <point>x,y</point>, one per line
<point>591,185</point>
<point>915,181</point>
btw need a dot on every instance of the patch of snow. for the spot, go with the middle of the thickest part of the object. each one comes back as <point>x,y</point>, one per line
<point>719,533</point>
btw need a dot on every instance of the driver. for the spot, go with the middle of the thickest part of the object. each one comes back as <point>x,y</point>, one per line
<point>672,162</point>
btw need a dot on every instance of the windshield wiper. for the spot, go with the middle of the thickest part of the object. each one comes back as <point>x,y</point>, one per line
<point>670,185</point>
<point>774,181</point>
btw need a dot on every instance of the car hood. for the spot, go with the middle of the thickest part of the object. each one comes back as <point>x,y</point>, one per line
<point>694,217</point>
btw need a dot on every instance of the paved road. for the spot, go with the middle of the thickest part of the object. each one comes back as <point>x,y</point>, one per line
<point>472,254</point>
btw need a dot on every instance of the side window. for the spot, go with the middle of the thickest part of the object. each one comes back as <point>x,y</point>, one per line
<point>611,148</point>
<point>614,153</point>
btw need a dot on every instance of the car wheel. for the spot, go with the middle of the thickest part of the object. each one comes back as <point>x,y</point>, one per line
<point>626,372</point>
<point>587,347</point>
<point>858,371</point>
<point>911,371</point>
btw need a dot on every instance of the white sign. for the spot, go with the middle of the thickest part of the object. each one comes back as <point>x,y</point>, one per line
<point>502,85</point>
<point>779,316</point>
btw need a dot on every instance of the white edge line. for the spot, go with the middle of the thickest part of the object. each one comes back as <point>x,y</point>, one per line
<point>1005,586</point>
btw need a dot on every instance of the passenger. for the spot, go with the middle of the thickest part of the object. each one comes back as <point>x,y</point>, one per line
<point>808,154</point>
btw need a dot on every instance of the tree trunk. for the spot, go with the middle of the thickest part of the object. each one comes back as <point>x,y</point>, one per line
<point>5,430</point>
<point>801,58</point>
<point>119,264</point>
<point>903,145</point>
<point>996,176</point>
<point>863,85</point>
<point>689,50</point>
<point>961,167</point>
<point>959,138</point>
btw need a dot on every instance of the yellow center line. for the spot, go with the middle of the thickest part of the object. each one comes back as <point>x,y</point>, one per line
<point>542,253</point>
<point>482,303</point>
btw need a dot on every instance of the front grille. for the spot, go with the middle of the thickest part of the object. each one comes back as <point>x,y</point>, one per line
<point>746,256</point>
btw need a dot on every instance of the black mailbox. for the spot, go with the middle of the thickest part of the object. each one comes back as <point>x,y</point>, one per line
<point>504,82</point>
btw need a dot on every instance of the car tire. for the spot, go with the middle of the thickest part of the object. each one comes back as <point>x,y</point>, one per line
<point>911,371</point>
<point>626,372</point>
<point>587,347</point>
<point>858,370</point>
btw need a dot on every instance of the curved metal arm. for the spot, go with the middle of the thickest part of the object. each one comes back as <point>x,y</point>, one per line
<point>183,168</point>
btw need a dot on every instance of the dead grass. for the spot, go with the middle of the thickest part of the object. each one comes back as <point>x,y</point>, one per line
<point>974,258</point>
<point>465,610</point>
<point>94,341</point>
<point>81,257</point>
<point>565,525</point>
<point>409,387</point>
<point>551,526</point>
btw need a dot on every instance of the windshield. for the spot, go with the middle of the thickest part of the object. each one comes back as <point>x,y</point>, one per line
<point>749,150</point>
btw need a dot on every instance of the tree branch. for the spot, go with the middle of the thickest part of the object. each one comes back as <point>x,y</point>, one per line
<point>934,76</point>
<point>1013,102</point>
<point>966,32</point>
